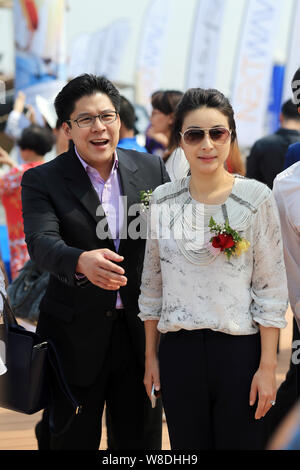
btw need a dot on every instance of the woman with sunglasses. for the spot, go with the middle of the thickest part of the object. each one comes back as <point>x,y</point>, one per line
<point>214,284</point>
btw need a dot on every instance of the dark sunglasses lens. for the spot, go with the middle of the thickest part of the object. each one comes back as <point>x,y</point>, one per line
<point>219,135</point>
<point>193,136</point>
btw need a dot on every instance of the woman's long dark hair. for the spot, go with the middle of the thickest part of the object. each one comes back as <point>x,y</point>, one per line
<point>166,101</point>
<point>195,98</point>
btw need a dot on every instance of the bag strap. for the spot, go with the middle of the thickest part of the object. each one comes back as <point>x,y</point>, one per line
<point>57,369</point>
<point>8,315</point>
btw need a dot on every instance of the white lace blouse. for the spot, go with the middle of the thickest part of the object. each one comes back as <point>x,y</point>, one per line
<point>186,283</point>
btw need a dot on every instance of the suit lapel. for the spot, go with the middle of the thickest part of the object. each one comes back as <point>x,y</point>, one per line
<point>80,185</point>
<point>128,177</point>
<point>133,180</point>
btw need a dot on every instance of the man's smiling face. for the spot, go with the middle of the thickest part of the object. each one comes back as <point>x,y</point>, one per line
<point>95,144</point>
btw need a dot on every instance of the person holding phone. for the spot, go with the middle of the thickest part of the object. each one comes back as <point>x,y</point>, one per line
<point>214,284</point>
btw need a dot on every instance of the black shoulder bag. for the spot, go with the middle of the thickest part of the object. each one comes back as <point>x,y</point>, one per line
<point>26,386</point>
<point>27,290</point>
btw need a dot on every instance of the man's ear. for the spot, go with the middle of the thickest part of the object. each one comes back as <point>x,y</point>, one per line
<point>299,110</point>
<point>119,121</point>
<point>66,129</point>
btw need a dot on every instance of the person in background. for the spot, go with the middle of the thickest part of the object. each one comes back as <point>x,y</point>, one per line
<point>62,143</point>
<point>34,143</point>
<point>152,145</point>
<point>293,154</point>
<point>286,190</point>
<point>21,116</point>
<point>16,122</point>
<point>214,284</point>
<point>128,139</point>
<point>267,156</point>
<point>162,118</point>
<point>287,193</point>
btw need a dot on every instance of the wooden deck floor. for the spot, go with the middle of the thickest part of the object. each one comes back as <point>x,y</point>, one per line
<point>17,430</point>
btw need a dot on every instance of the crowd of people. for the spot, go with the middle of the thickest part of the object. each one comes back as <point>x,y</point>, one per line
<point>176,306</point>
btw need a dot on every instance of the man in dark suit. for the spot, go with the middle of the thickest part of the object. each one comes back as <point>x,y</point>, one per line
<point>79,227</point>
<point>293,154</point>
<point>266,158</point>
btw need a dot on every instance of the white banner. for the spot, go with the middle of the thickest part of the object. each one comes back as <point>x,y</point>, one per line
<point>252,77</point>
<point>152,48</point>
<point>100,52</point>
<point>40,55</point>
<point>293,55</point>
<point>114,43</point>
<point>205,45</point>
<point>39,42</point>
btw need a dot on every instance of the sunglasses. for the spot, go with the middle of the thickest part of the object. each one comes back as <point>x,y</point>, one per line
<point>218,135</point>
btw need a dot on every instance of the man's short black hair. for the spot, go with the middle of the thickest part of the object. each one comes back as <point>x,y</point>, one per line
<point>296,87</point>
<point>289,110</point>
<point>36,138</point>
<point>127,114</point>
<point>84,85</point>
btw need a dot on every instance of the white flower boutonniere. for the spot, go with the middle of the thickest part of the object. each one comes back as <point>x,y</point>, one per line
<point>145,199</point>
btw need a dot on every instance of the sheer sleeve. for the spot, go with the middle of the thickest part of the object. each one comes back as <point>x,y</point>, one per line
<point>269,284</point>
<point>150,300</point>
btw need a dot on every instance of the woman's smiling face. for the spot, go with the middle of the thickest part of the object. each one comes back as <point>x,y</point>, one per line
<point>206,156</point>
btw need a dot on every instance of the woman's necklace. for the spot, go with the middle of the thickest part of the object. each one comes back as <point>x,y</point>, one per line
<point>221,194</point>
<point>194,233</point>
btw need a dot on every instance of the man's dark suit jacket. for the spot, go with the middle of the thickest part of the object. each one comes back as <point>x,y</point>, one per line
<point>59,210</point>
<point>267,155</point>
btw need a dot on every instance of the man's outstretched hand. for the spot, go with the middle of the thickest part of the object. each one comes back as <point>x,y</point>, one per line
<point>100,268</point>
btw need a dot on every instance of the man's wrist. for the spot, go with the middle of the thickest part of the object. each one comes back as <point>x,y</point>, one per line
<point>79,267</point>
<point>79,275</point>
